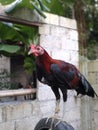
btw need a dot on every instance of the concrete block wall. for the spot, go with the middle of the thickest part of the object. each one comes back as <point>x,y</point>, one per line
<point>4,69</point>
<point>19,115</point>
<point>4,63</point>
<point>93,71</point>
<point>89,106</point>
<point>59,36</point>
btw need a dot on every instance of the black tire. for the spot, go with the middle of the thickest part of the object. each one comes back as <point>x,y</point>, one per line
<point>45,124</point>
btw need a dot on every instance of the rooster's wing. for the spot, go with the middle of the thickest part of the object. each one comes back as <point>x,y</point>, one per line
<point>65,74</point>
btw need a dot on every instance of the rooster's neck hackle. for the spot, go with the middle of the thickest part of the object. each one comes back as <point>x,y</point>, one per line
<point>45,60</point>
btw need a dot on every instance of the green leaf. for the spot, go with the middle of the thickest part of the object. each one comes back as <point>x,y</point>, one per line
<point>48,1</point>
<point>9,8</point>
<point>43,6</point>
<point>29,33</point>
<point>29,64</point>
<point>37,5</point>
<point>38,10</point>
<point>7,32</point>
<point>5,2</point>
<point>9,48</point>
<point>55,7</point>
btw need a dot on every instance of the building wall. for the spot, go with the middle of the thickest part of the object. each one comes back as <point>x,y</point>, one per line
<point>58,35</point>
<point>4,63</point>
<point>92,73</point>
<point>19,115</point>
<point>4,71</point>
<point>89,106</point>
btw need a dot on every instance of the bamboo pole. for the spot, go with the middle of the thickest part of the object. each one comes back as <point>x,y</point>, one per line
<point>18,92</point>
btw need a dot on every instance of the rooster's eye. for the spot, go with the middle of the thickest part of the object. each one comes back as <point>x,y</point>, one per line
<point>38,48</point>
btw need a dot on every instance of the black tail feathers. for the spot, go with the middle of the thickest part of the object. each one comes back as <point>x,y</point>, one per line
<point>85,88</point>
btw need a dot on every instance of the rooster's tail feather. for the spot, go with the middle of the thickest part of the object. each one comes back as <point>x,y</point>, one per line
<point>85,88</point>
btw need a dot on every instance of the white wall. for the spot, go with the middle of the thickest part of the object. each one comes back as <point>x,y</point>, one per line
<point>59,36</point>
<point>4,63</point>
<point>90,106</point>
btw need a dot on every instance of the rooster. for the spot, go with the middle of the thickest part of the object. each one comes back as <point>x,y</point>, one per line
<point>59,74</point>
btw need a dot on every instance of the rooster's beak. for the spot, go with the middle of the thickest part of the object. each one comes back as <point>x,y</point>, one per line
<point>30,52</point>
<point>32,47</point>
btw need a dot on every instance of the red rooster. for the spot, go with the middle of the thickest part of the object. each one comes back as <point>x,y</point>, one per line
<point>59,75</point>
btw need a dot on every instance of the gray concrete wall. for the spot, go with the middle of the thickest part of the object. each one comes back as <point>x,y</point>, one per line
<point>58,35</point>
<point>93,71</point>
<point>19,115</point>
<point>93,79</point>
<point>89,106</point>
<point>4,63</point>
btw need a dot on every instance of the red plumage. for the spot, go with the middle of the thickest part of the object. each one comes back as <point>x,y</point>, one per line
<point>59,74</point>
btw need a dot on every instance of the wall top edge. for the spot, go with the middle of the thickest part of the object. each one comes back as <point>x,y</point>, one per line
<point>33,16</point>
<point>60,21</point>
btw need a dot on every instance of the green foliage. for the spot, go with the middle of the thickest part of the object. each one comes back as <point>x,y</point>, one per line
<point>55,7</point>
<point>66,8</point>
<point>92,49</point>
<point>60,7</point>
<point>39,10</point>
<point>5,2</point>
<point>9,48</point>
<point>29,64</point>
<point>29,34</point>
<point>30,4</point>
<point>91,16</point>
<point>8,32</point>
<point>18,34</point>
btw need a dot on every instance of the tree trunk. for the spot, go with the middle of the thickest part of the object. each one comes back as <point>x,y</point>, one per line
<point>81,24</point>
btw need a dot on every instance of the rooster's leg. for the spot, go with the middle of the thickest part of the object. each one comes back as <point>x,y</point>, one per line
<point>57,95</point>
<point>57,108</point>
